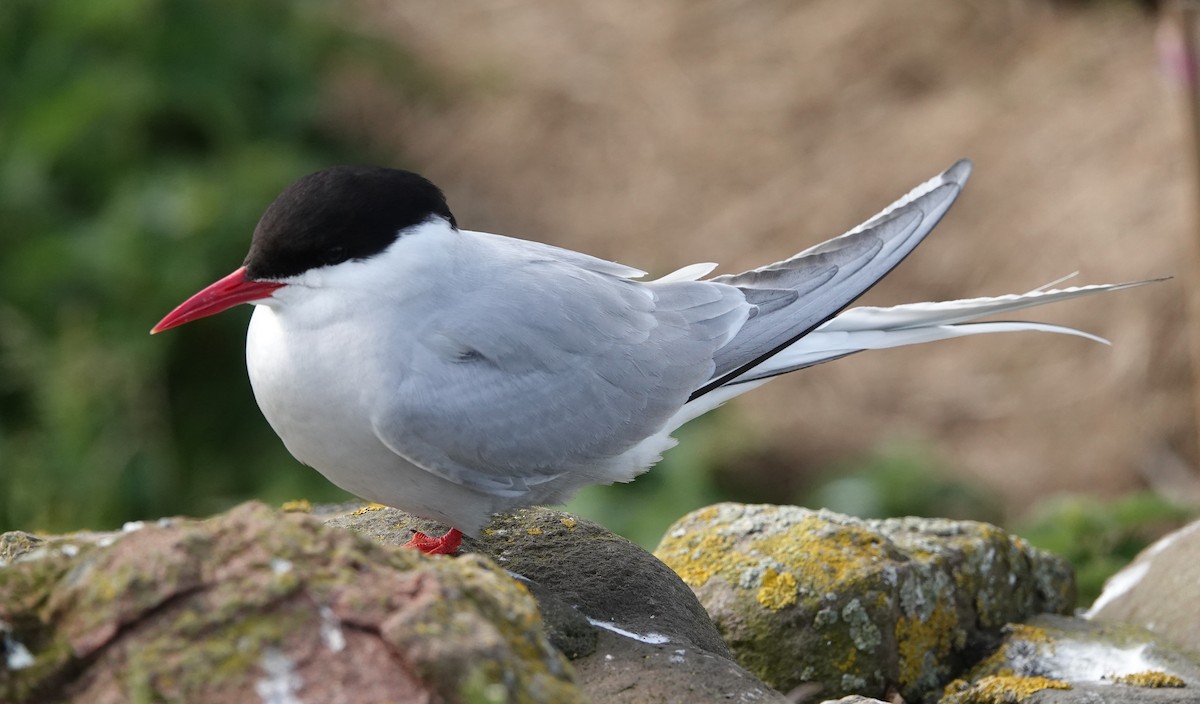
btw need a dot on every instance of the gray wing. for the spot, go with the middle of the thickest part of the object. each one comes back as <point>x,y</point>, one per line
<point>797,295</point>
<point>552,368</point>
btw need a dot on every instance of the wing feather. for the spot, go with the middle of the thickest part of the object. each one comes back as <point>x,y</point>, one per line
<point>552,369</point>
<point>831,275</point>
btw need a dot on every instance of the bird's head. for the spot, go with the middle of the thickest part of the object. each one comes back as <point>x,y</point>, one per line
<point>337,215</point>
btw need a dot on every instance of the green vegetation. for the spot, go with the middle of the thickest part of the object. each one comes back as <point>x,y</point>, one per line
<point>1101,536</point>
<point>139,142</point>
<point>901,480</point>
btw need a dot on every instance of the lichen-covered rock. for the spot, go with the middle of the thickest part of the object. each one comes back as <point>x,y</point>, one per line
<point>602,575</point>
<point>857,605</point>
<point>1158,590</point>
<point>647,637</point>
<point>1066,660</point>
<point>1001,689</point>
<point>254,605</point>
<point>16,543</point>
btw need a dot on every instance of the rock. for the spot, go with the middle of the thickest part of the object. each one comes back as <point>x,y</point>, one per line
<point>650,639</point>
<point>1070,660</point>
<point>1158,590</point>
<point>858,606</point>
<point>625,672</point>
<point>254,605</point>
<point>16,543</point>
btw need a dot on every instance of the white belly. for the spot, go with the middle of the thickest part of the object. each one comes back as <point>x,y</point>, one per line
<point>317,390</point>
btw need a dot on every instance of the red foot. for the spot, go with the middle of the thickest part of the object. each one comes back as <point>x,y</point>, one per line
<point>445,545</point>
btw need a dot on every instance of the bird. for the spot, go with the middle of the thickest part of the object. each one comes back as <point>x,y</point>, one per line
<point>455,374</point>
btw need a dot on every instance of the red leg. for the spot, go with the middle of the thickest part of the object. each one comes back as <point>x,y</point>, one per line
<point>446,545</point>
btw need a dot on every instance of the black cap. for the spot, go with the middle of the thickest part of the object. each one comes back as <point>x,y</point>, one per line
<point>339,214</point>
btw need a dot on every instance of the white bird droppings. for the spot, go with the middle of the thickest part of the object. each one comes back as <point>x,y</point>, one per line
<point>331,631</point>
<point>651,638</point>
<point>281,681</point>
<point>1097,662</point>
<point>19,656</point>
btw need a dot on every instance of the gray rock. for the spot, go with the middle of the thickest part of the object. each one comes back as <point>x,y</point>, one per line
<point>1158,590</point>
<point>858,606</point>
<point>1067,660</point>
<point>625,672</point>
<point>650,639</point>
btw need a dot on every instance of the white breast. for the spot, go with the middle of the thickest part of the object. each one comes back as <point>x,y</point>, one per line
<point>320,355</point>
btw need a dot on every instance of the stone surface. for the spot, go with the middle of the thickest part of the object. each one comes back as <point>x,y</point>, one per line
<point>16,543</point>
<point>258,605</point>
<point>254,605</point>
<point>859,606</point>
<point>625,672</point>
<point>1158,590</point>
<point>647,637</point>
<point>1064,659</point>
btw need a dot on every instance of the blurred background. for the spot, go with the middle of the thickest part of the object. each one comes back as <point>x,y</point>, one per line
<point>140,140</point>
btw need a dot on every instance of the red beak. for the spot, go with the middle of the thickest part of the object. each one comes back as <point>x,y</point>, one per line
<point>226,293</point>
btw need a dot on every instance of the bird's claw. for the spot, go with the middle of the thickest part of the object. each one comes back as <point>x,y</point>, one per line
<point>448,544</point>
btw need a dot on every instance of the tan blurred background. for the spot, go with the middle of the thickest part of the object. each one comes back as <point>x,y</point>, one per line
<point>740,132</point>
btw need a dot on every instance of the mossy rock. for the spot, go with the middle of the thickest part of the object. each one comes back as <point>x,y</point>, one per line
<point>254,601</point>
<point>859,606</point>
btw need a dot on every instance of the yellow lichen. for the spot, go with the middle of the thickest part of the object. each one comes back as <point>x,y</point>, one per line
<point>999,690</point>
<point>1150,678</point>
<point>297,506</point>
<point>1032,634</point>
<point>534,531</point>
<point>915,638</point>
<point>778,590</point>
<point>999,662</point>
<point>568,522</point>
<point>833,554</point>
<point>368,508</point>
<point>697,560</point>
<point>847,663</point>
<point>830,555</point>
<point>694,574</point>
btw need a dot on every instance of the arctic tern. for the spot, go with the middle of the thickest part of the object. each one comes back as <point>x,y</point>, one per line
<point>455,374</point>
